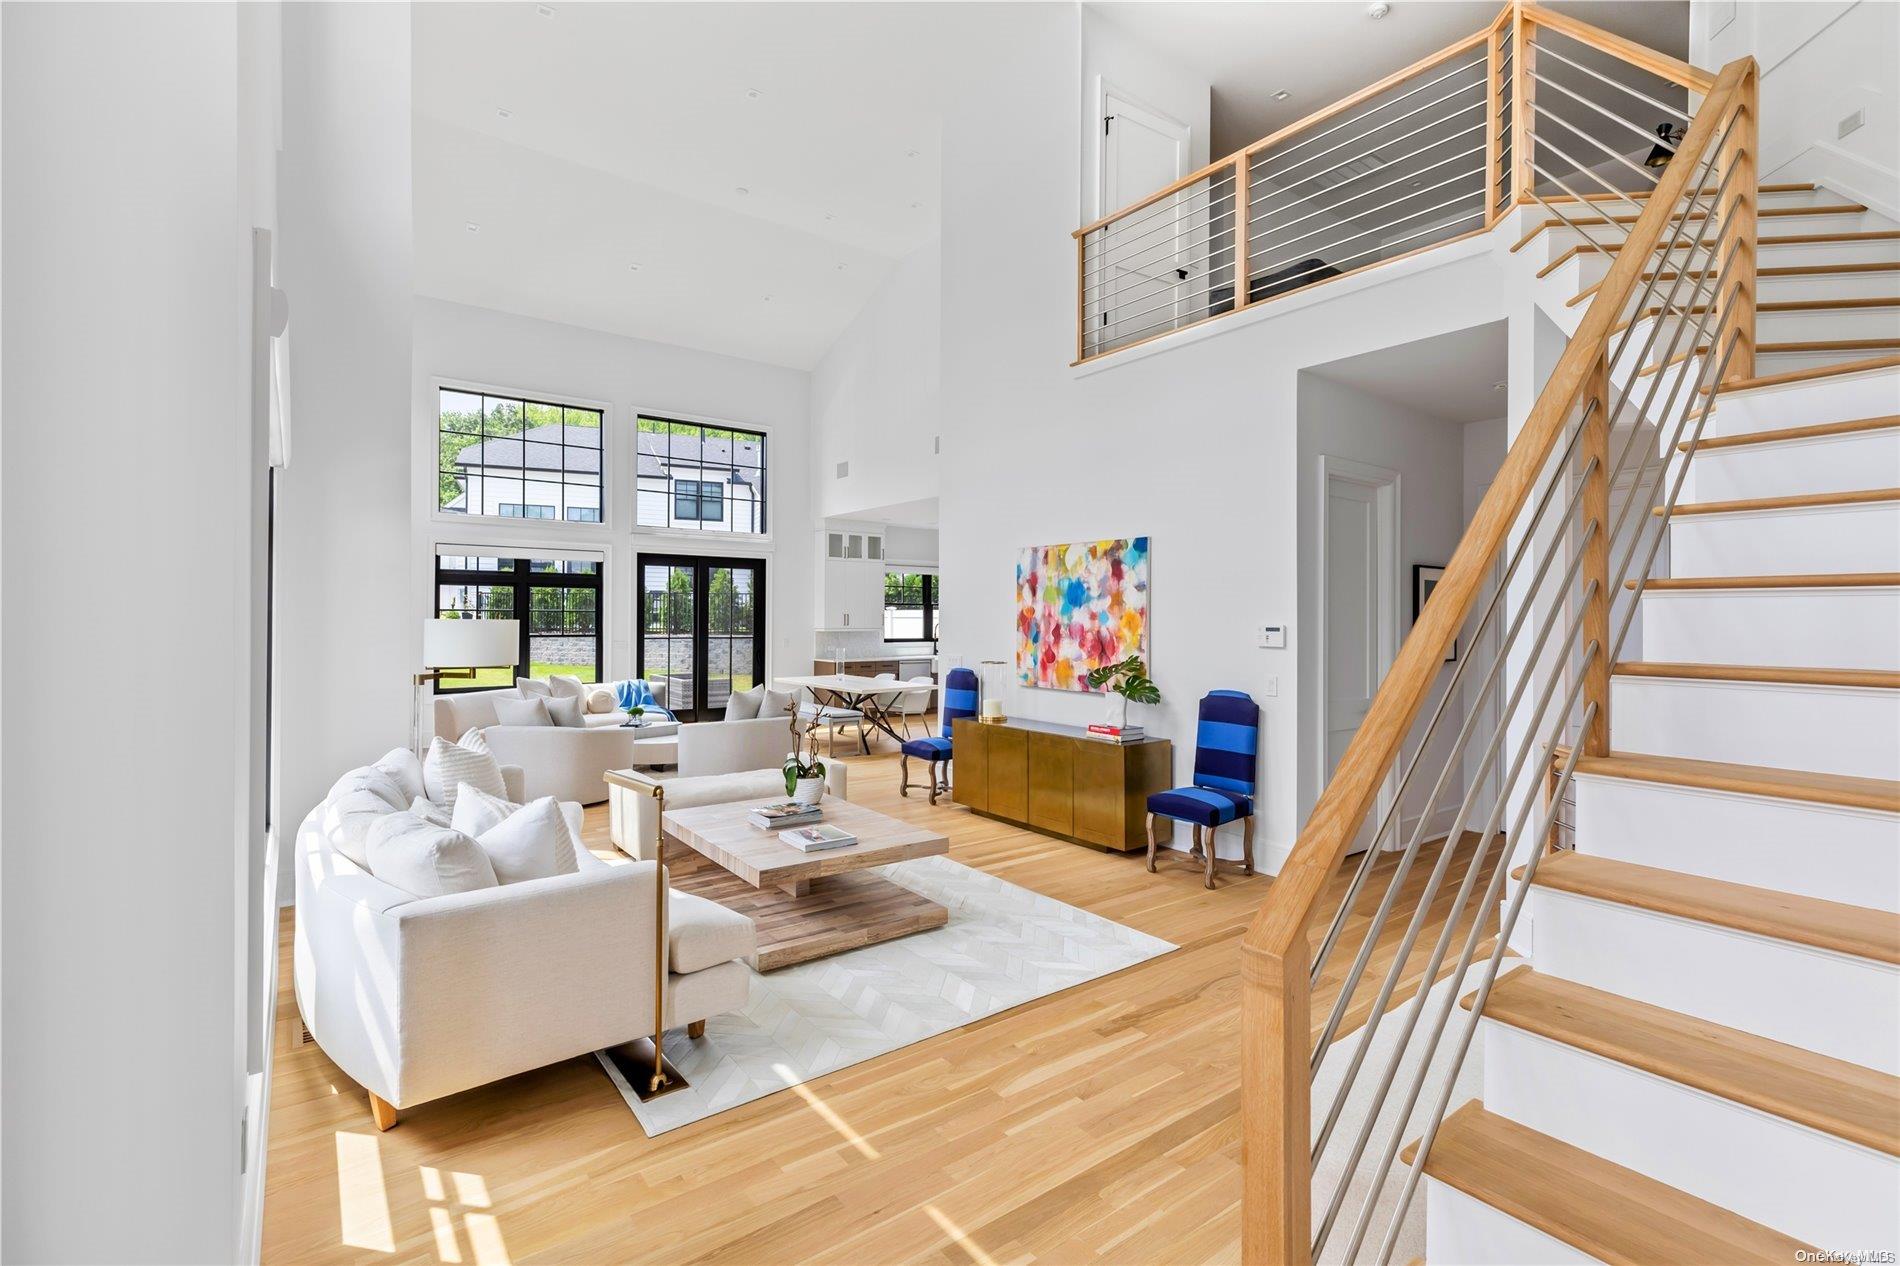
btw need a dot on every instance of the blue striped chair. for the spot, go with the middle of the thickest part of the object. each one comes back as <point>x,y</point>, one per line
<point>1225,748</point>
<point>959,701</point>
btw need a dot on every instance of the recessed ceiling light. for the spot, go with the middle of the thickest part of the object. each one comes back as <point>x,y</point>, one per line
<point>830,216</point>
<point>910,153</point>
<point>1378,10</point>
<point>916,205</point>
<point>742,191</point>
<point>503,112</point>
<point>753,94</point>
<point>472,227</point>
<point>842,267</point>
<point>633,268</point>
<point>768,298</point>
<point>545,10</point>
<point>1281,95</point>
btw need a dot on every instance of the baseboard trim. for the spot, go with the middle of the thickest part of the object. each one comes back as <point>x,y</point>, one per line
<point>1861,179</point>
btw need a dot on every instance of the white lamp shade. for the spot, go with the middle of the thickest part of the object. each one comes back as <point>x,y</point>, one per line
<point>470,643</point>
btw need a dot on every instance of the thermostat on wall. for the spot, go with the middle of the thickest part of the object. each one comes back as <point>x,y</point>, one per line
<point>1273,636</point>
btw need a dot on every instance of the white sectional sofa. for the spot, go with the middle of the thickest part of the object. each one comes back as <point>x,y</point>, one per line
<point>420,997</point>
<point>558,761</point>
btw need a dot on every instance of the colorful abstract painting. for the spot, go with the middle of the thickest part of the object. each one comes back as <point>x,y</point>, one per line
<point>1079,606</point>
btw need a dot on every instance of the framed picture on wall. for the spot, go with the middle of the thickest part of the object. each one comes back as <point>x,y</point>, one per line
<point>1425,578</point>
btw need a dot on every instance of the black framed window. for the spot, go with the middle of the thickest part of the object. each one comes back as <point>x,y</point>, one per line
<point>910,606</point>
<point>513,457</point>
<point>557,602</point>
<point>700,477</point>
<point>702,629</point>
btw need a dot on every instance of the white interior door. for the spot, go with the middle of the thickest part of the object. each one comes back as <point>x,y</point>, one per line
<point>1359,580</point>
<point>1144,150</point>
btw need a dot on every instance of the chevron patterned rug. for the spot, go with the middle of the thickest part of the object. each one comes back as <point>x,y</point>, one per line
<point>1002,947</point>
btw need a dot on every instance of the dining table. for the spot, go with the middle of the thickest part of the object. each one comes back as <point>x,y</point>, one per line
<point>872,698</point>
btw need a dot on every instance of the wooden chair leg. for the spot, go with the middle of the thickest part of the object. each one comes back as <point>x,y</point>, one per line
<point>1194,853</point>
<point>1151,843</point>
<point>381,1111</point>
<point>936,780</point>
<point>1210,854</point>
<point>696,1029</point>
<point>903,772</point>
<point>1246,842</point>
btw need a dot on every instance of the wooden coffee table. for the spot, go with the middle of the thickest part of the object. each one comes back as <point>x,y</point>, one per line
<point>805,905</point>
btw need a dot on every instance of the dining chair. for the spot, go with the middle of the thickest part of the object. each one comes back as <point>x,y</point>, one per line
<point>915,703</point>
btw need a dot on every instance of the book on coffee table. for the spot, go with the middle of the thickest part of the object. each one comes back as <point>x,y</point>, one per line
<point>810,839</point>
<point>783,814</point>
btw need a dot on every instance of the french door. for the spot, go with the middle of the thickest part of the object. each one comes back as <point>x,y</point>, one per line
<point>702,629</point>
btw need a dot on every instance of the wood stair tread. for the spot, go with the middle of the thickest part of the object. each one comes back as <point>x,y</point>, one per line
<point>1640,194</point>
<point>1834,1096</point>
<point>1627,217</point>
<point>1811,580</point>
<point>1808,375</point>
<point>1780,270</point>
<point>1845,790</point>
<point>1816,431</point>
<point>1800,501</point>
<point>1596,1206</point>
<point>1770,349</point>
<point>1782,916</point>
<point>1776,239</point>
<point>1774,305</point>
<point>1872,678</point>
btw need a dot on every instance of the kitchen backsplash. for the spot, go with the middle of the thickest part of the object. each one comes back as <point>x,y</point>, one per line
<point>866,644</point>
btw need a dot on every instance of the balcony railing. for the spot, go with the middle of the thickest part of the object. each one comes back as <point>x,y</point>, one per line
<point>1431,153</point>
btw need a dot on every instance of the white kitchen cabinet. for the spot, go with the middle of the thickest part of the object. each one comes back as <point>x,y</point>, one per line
<point>851,580</point>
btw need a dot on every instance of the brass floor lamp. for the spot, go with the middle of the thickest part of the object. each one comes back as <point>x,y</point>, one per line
<point>455,650</point>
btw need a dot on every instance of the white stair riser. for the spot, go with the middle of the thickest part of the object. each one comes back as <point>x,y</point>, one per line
<point>1820,254</point>
<point>1811,850</point>
<point>1836,463</point>
<point>1787,628</point>
<point>1873,394</point>
<point>1828,729</point>
<point>1800,1181</point>
<point>1835,538</point>
<point>1865,285</point>
<point>1552,243</point>
<point>1468,1232</point>
<point>1807,324</point>
<point>1838,1005</point>
<point>1769,362</point>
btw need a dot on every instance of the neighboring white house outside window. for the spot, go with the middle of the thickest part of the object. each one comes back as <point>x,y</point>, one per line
<point>510,457</point>
<point>698,477</point>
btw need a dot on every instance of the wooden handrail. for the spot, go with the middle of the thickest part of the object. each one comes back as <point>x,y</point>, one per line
<point>1276,1181</point>
<point>1662,65</point>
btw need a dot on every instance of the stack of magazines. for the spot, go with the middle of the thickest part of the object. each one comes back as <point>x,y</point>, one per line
<point>810,839</point>
<point>1117,733</point>
<point>786,813</point>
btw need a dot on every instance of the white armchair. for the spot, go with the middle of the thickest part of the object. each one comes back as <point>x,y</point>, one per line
<point>417,998</point>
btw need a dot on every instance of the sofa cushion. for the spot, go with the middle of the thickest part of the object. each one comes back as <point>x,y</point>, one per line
<point>603,720</point>
<point>426,860</point>
<point>743,705</point>
<point>347,819</point>
<point>533,842</point>
<point>405,767</point>
<point>564,711</point>
<point>429,811</point>
<point>475,810</point>
<point>373,780</point>
<point>566,686</point>
<point>600,699</point>
<point>702,934</point>
<point>532,688</point>
<point>522,712</point>
<point>474,741</point>
<point>449,765</point>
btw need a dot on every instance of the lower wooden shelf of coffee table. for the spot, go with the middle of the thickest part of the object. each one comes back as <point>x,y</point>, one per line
<point>805,905</point>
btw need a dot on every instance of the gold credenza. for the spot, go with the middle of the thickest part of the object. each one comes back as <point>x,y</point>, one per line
<point>1056,779</point>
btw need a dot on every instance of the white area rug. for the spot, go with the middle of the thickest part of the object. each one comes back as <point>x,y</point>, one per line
<point>1003,946</point>
<point>1410,1245</point>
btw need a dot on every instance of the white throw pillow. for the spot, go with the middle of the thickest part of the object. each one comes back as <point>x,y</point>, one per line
<point>601,699</point>
<point>429,811</point>
<point>531,688</point>
<point>426,860</point>
<point>347,820</point>
<point>743,705</point>
<point>564,711</point>
<point>532,843</point>
<point>405,767</point>
<point>474,740</point>
<point>522,711</point>
<point>476,810</point>
<point>448,766</point>
<point>566,686</point>
<point>776,704</point>
<point>372,780</point>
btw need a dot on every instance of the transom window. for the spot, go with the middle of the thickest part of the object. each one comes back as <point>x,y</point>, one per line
<point>557,601</point>
<point>700,477</point>
<point>512,457</point>
<point>910,606</point>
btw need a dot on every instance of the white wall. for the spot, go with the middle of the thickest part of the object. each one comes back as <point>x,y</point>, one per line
<point>628,376</point>
<point>876,396</point>
<point>1340,420</point>
<point>130,192</point>
<point>1194,446</point>
<point>347,640</point>
<point>1819,63</point>
<point>1110,53</point>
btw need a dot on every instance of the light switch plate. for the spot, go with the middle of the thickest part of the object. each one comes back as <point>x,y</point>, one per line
<point>1273,636</point>
<point>1273,687</point>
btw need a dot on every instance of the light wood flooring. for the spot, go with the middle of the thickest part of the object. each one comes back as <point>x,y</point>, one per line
<point>1095,1125</point>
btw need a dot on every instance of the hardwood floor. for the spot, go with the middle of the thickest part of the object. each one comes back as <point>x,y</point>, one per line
<point>1096,1125</point>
